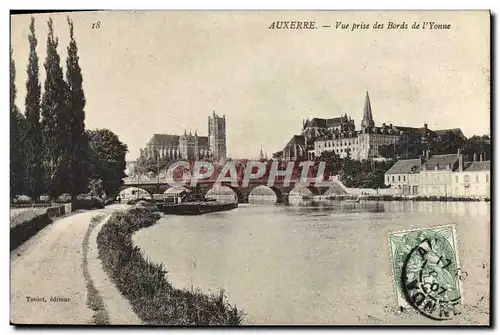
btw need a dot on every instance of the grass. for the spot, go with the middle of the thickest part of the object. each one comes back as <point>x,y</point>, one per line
<point>19,216</point>
<point>94,298</point>
<point>145,284</point>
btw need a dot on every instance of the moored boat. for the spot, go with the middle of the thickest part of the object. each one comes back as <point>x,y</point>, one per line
<point>196,207</point>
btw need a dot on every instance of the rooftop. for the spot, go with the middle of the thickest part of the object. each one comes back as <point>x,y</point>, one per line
<point>296,140</point>
<point>477,166</point>
<point>455,131</point>
<point>326,123</point>
<point>405,166</point>
<point>164,139</point>
<point>441,162</point>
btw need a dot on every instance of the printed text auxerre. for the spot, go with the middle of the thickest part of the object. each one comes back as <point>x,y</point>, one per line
<point>293,25</point>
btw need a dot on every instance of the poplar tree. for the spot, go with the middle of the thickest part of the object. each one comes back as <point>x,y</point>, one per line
<point>75,102</point>
<point>16,120</point>
<point>32,136</point>
<point>54,121</point>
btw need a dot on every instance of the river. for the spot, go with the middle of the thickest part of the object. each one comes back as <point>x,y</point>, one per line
<point>310,264</point>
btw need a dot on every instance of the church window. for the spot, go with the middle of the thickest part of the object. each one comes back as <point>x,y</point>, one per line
<point>393,178</point>
<point>399,178</point>
<point>466,178</point>
<point>456,179</point>
<point>487,178</point>
<point>477,178</point>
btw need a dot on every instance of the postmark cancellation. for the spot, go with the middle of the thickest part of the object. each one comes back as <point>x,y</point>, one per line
<point>426,268</point>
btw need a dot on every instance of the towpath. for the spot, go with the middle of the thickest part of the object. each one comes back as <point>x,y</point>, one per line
<point>47,283</point>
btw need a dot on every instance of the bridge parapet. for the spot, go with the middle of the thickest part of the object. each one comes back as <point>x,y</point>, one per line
<point>153,186</point>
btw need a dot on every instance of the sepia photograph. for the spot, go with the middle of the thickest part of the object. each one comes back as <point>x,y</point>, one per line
<point>250,168</point>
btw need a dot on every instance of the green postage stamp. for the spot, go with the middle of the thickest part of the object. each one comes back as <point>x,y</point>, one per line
<point>426,268</point>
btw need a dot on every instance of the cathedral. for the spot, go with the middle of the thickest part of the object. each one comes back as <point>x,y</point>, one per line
<point>190,146</point>
<point>340,136</point>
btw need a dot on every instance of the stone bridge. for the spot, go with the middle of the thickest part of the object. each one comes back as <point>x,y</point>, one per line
<point>242,192</point>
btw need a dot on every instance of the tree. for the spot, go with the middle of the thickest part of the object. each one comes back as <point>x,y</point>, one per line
<point>332,160</point>
<point>449,143</point>
<point>16,127</point>
<point>389,151</point>
<point>95,189</point>
<point>479,145</point>
<point>106,156</point>
<point>54,121</point>
<point>374,179</point>
<point>75,103</point>
<point>146,164</point>
<point>32,136</point>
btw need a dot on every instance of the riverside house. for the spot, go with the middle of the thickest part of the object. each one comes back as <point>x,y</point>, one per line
<point>473,180</point>
<point>436,174</point>
<point>403,176</point>
<point>441,175</point>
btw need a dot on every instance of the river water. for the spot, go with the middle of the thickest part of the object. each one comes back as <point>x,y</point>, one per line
<point>314,264</point>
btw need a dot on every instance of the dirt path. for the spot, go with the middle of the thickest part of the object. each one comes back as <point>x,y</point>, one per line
<point>118,308</point>
<point>47,283</point>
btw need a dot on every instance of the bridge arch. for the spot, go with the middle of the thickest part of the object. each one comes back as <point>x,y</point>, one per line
<point>226,193</point>
<point>300,190</point>
<point>134,192</point>
<point>264,192</point>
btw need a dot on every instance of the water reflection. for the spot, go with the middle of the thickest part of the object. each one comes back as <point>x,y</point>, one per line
<point>262,199</point>
<point>333,205</point>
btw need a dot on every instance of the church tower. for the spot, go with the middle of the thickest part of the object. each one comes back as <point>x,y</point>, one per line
<point>367,114</point>
<point>261,154</point>
<point>217,136</point>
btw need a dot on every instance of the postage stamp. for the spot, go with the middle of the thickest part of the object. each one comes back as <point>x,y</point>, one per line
<point>425,266</point>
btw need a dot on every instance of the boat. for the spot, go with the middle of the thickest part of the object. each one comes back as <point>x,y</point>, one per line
<point>357,200</point>
<point>196,207</point>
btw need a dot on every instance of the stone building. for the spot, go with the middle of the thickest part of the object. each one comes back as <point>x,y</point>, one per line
<point>190,146</point>
<point>436,175</point>
<point>403,176</point>
<point>441,175</point>
<point>296,149</point>
<point>340,136</point>
<point>361,144</point>
<point>473,180</point>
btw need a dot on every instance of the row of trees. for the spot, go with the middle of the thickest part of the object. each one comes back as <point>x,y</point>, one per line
<point>51,151</point>
<point>412,146</point>
<point>356,173</point>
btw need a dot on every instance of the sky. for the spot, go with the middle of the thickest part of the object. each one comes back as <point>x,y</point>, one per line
<point>149,72</point>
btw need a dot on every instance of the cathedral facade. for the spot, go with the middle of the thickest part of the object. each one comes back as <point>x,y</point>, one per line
<point>190,146</point>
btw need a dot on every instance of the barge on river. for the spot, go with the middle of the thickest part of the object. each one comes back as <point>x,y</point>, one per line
<point>196,207</point>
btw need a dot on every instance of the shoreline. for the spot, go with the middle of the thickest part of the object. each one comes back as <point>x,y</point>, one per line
<point>144,283</point>
<point>400,198</point>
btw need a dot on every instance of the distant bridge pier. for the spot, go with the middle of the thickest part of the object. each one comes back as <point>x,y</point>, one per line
<point>282,199</point>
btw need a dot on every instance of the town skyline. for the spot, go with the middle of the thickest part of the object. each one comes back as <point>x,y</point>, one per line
<point>265,94</point>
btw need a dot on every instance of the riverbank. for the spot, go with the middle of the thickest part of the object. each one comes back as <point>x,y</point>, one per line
<point>401,198</point>
<point>144,283</point>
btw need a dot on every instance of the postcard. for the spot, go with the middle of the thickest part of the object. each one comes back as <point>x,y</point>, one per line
<point>234,168</point>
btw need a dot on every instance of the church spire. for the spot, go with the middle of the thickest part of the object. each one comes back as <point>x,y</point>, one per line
<point>367,114</point>
<point>261,154</point>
